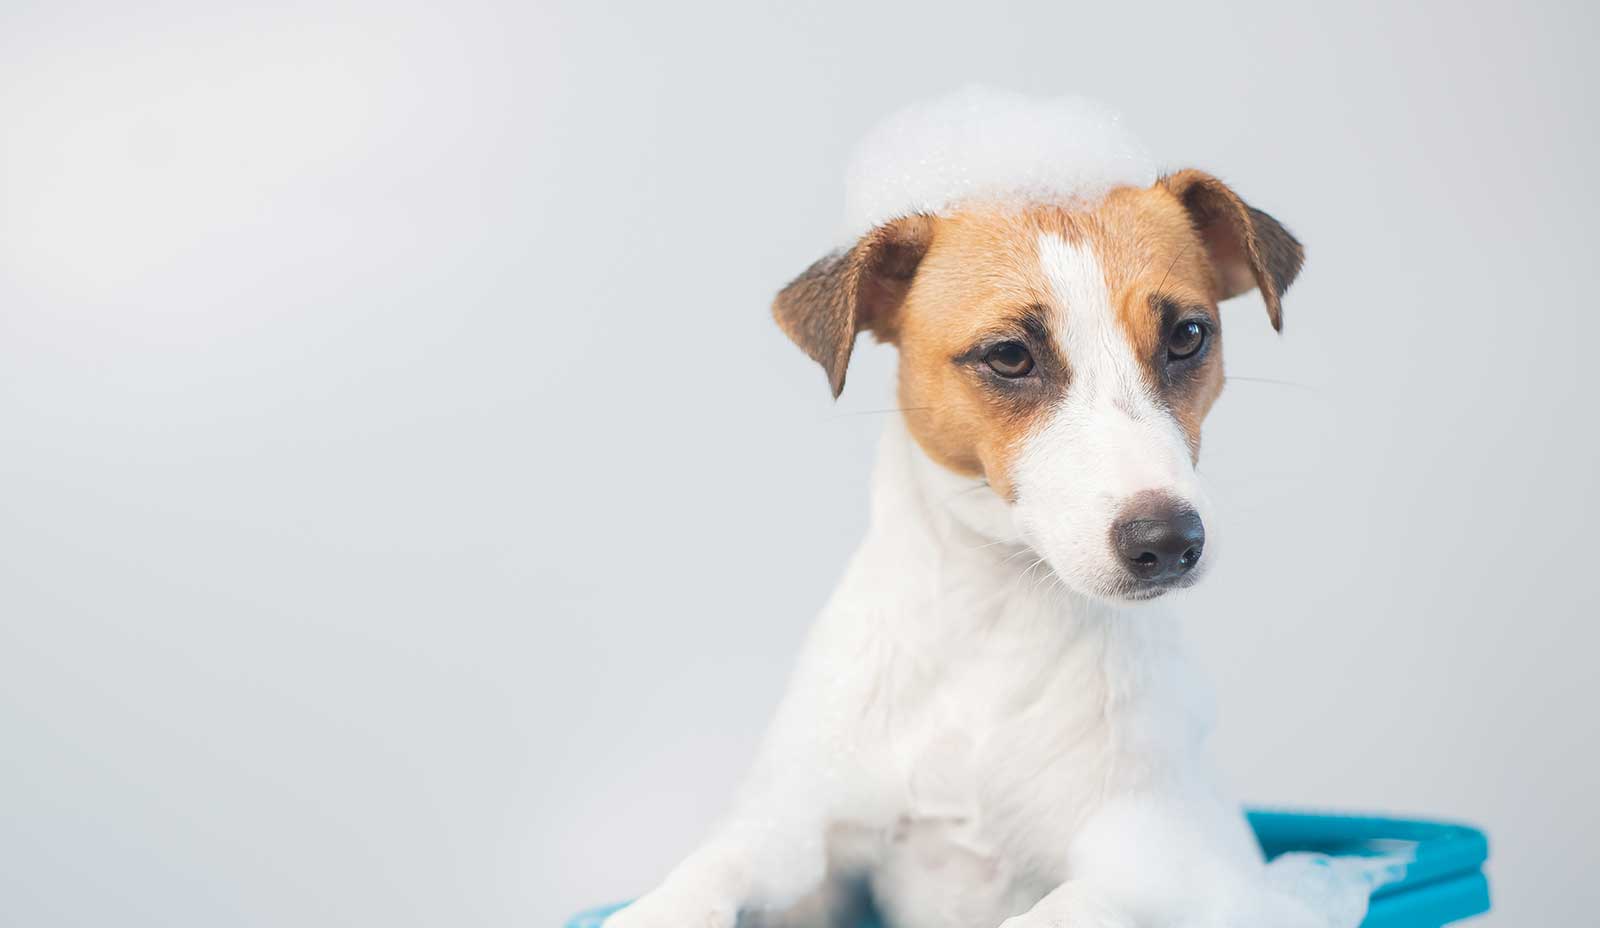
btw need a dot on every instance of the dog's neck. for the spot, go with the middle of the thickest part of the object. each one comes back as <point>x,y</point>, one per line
<point>947,544</point>
<point>945,580</point>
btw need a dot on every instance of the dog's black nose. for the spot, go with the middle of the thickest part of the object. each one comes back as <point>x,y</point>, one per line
<point>1158,538</point>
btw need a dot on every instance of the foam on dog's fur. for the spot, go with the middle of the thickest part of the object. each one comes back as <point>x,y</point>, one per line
<point>981,144</point>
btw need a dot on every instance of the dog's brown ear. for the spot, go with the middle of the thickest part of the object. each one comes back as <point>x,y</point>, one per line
<point>850,291</point>
<point>1248,248</point>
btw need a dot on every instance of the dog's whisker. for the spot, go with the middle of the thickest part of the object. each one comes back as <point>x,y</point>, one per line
<point>1046,577</point>
<point>1269,380</point>
<point>1178,257</point>
<point>964,491</point>
<point>1143,267</point>
<point>1028,575</point>
<point>877,412</point>
<point>1016,554</point>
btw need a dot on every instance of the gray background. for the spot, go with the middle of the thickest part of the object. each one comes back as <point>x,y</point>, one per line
<point>408,511</point>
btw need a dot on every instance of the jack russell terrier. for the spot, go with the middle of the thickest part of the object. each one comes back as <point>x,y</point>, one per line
<point>993,721</point>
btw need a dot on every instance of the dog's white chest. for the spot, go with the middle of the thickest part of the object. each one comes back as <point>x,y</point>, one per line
<point>994,763</point>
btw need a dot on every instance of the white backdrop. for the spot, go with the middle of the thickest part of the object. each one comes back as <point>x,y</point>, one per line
<point>408,511</point>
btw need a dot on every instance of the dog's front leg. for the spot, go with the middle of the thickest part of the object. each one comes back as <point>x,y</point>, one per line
<point>1158,861</point>
<point>766,858</point>
<point>771,850</point>
<point>1074,904</point>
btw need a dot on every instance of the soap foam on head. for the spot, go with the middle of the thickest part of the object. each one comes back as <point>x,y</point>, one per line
<point>989,145</point>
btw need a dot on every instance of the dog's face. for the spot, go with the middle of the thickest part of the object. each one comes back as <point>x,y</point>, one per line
<point>1067,357</point>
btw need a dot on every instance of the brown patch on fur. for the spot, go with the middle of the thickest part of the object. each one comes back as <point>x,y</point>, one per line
<point>943,288</point>
<point>976,283</point>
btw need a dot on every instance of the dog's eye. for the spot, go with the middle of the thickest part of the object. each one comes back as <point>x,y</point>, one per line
<point>1186,340</point>
<point>1009,359</point>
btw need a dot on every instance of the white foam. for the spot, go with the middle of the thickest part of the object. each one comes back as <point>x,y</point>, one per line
<point>1336,889</point>
<point>1179,863</point>
<point>980,144</point>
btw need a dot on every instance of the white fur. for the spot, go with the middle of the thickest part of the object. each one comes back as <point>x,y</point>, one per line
<point>1109,440</point>
<point>984,144</point>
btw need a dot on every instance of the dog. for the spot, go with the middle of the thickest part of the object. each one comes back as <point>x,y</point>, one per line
<point>993,721</point>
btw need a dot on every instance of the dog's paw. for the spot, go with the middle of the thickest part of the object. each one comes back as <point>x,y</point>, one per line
<point>1082,918</point>
<point>1071,910</point>
<point>667,908</point>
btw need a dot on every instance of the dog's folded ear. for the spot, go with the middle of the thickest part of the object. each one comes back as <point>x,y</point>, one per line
<point>1248,248</point>
<point>853,290</point>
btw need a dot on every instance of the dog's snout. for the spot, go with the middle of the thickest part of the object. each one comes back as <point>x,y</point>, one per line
<point>1158,538</point>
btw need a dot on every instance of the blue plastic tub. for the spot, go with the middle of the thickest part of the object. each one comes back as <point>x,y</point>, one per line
<point>1444,882</point>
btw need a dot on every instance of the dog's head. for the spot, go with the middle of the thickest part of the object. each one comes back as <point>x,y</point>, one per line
<point>1066,355</point>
